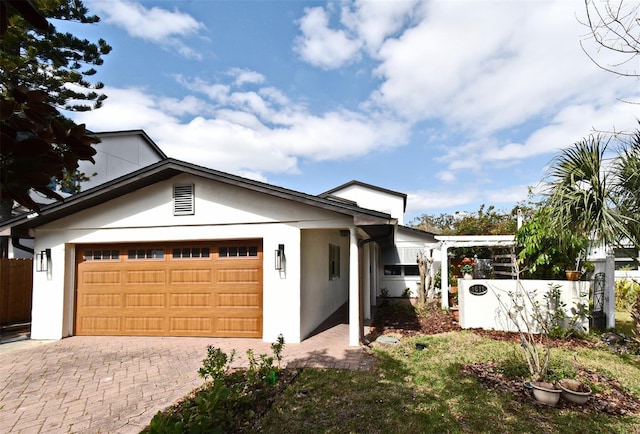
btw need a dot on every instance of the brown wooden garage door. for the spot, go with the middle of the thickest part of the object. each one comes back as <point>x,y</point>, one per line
<point>185,289</point>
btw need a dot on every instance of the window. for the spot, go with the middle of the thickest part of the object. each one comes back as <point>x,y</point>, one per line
<point>191,252</point>
<point>411,270</point>
<point>183,200</point>
<point>237,251</point>
<point>393,270</point>
<point>624,258</point>
<point>334,261</point>
<point>146,254</point>
<point>401,270</point>
<point>102,255</point>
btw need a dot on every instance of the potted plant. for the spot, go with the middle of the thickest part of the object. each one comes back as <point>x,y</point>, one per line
<point>588,268</point>
<point>576,272</point>
<point>574,391</point>
<point>466,267</point>
<point>453,291</point>
<point>546,393</point>
<point>530,317</point>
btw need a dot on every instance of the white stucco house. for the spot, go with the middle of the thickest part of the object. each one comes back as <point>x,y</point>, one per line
<point>176,249</point>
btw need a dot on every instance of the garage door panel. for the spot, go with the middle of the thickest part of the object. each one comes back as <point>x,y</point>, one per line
<point>190,300</point>
<point>102,324</point>
<point>101,277</point>
<point>237,326</point>
<point>239,275</point>
<point>145,277</point>
<point>239,300</point>
<point>145,300</point>
<point>145,325</point>
<point>193,276</point>
<point>190,324</point>
<point>170,290</point>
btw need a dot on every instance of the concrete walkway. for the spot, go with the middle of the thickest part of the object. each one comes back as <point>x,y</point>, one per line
<point>117,384</point>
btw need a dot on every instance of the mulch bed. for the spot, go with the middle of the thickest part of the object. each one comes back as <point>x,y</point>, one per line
<point>398,317</point>
<point>610,400</point>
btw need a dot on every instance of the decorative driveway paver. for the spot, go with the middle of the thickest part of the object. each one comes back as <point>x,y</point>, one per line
<point>116,384</point>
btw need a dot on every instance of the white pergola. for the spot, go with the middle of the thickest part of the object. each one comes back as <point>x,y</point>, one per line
<point>452,241</point>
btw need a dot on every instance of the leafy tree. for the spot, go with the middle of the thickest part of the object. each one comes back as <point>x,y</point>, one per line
<point>545,252</point>
<point>489,221</point>
<point>42,71</point>
<point>485,221</point>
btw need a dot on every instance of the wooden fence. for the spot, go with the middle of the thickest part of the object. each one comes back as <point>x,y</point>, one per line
<point>16,283</point>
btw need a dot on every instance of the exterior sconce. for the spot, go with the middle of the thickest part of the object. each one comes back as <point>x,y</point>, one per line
<point>279,257</point>
<point>43,260</point>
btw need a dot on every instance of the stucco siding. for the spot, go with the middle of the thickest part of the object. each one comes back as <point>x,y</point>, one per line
<point>116,156</point>
<point>320,295</point>
<point>374,199</point>
<point>221,212</point>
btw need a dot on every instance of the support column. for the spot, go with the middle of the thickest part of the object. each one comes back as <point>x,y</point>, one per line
<point>354,291</point>
<point>444,276</point>
<point>609,291</point>
<point>366,277</point>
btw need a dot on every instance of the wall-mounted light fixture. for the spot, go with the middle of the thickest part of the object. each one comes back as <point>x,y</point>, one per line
<point>43,260</point>
<point>279,257</point>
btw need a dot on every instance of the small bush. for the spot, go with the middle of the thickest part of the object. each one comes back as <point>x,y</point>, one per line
<point>225,398</point>
<point>626,292</point>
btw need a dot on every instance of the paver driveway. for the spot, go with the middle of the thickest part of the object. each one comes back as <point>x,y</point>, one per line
<point>116,384</point>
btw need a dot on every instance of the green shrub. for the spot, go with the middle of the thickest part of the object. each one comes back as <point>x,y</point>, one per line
<point>225,396</point>
<point>626,292</point>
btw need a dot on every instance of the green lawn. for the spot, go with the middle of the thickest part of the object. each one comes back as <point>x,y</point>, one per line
<point>624,322</point>
<point>424,391</point>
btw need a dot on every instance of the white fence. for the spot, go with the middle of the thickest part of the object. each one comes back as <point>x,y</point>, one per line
<point>480,300</point>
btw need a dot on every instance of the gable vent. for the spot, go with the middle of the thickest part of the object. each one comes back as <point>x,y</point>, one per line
<point>183,200</point>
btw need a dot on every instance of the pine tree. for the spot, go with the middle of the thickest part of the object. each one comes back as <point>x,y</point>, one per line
<point>43,71</point>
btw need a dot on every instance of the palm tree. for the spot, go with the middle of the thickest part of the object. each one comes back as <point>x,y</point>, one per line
<point>628,167</point>
<point>595,190</point>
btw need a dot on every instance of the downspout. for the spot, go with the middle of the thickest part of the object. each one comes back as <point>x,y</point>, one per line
<point>15,242</point>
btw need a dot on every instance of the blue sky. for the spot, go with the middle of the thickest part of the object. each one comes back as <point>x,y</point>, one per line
<point>455,103</point>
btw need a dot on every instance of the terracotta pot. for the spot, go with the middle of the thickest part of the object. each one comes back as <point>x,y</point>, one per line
<point>573,275</point>
<point>546,393</point>
<point>574,391</point>
<point>455,313</point>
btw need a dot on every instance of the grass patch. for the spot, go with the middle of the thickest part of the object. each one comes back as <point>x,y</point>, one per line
<point>624,322</point>
<point>426,391</point>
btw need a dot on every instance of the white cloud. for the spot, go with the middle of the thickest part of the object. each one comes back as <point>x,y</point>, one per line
<point>243,76</point>
<point>446,176</point>
<point>321,46</point>
<point>422,200</point>
<point>248,132</point>
<point>160,26</point>
<point>374,21</point>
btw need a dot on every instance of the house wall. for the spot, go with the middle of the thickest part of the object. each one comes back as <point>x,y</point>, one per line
<point>374,199</point>
<point>221,212</point>
<point>485,311</point>
<point>116,156</point>
<point>404,254</point>
<point>320,296</point>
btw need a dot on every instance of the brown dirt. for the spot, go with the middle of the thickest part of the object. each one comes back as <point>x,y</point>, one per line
<point>398,316</point>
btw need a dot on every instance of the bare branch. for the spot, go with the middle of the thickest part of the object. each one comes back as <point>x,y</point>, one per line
<point>615,27</point>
